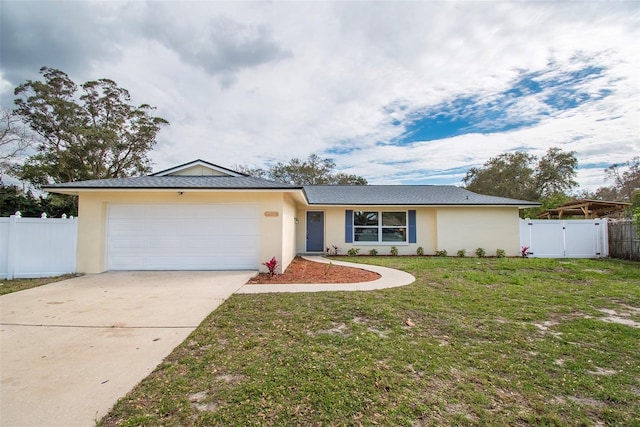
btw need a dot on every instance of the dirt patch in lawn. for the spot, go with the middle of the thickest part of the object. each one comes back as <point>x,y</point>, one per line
<point>304,271</point>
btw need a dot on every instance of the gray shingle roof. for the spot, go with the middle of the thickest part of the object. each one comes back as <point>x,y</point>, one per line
<point>402,195</point>
<point>170,182</point>
<point>316,194</point>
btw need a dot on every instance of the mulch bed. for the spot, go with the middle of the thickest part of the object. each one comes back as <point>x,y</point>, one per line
<point>304,271</point>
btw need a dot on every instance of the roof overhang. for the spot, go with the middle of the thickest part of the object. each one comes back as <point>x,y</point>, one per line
<point>413,205</point>
<point>76,191</point>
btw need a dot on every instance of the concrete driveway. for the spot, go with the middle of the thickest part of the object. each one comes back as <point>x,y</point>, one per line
<point>71,349</point>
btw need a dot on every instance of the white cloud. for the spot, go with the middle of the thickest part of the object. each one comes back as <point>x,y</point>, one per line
<point>250,83</point>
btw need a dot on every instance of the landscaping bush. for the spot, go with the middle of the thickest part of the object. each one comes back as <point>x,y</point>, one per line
<point>271,265</point>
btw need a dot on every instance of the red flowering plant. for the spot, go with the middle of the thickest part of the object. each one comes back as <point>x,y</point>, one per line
<point>271,266</point>
<point>524,251</point>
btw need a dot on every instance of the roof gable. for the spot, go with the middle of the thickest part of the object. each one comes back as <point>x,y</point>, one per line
<point>198,168</point>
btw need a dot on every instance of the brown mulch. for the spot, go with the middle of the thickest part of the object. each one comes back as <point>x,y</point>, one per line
<point>304,271</point>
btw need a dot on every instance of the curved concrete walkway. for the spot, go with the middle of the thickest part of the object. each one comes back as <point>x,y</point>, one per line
<point>390,278</point>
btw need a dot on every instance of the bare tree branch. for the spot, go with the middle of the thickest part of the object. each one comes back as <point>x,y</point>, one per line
<point>15,138</point>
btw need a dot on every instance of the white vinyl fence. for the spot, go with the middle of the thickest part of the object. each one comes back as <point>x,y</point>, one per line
<point>37,247</point>
<point>576,238</point>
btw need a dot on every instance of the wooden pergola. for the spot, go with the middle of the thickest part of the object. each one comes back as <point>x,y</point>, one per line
<point>589,209</point>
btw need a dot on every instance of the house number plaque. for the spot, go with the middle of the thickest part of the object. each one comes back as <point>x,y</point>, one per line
<point>272,214</point>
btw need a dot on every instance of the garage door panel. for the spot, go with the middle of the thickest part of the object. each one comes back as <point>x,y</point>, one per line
<point>227,227</point>
<point>129,211</point>
<point>125,262</point>
<point>132,244</point>
<point>162,263</point>
<point>119,227</point>
<point>161,245</point>
<point>182,237</point>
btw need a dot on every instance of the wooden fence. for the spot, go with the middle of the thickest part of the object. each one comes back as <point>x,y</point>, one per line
<point>624,241</point>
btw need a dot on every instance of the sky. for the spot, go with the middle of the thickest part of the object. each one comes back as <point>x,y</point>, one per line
<point>397,92</point>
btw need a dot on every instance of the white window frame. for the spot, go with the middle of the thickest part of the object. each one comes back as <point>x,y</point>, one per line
<point>380,227</point>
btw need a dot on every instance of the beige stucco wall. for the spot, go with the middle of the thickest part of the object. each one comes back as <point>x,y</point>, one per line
<point>335,227</point>
<point>288,230</point>
<point>92,217</point>
<point>470,228</point>
<point>450,228</point>
<point>437,228</point>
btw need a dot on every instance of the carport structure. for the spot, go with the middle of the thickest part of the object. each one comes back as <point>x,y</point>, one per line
<point>587,208</point>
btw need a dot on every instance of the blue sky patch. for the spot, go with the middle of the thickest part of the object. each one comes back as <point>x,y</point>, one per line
<point>549,91</point>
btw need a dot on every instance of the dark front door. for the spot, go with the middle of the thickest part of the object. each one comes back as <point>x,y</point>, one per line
<point>315,231</point>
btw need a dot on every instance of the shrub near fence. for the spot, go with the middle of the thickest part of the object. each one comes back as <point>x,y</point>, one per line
<point>624,242</point>
<point>37,247</point>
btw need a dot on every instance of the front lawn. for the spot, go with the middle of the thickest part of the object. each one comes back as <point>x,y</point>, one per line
<point>472,341</point>
<point>15,285</point>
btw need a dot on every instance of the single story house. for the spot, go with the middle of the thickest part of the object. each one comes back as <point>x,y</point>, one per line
<point>201,216</point>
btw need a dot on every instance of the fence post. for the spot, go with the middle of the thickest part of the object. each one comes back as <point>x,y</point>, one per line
<point>605,238</point>
<point>564,239</point>
<point>528,243</point>
<point>11,246</point>
<point>601,239</point>
<point>598,238</point>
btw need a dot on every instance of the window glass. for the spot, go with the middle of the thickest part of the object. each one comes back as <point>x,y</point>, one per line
<point>365,234</point>
<point>372,226</point>
<point>394,234</point>
<point>315,216</point>
<point>394,219</point>
<point>365,218</point>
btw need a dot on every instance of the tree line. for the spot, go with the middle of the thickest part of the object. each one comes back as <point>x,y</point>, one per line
<point>68,132</point>
<point>71,132</point>
<point>550,180</point>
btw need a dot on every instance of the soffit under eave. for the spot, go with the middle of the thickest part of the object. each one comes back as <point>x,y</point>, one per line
<point>407,205</point>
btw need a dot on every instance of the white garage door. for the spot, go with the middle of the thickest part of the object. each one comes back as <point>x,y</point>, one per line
<point>182,237</point>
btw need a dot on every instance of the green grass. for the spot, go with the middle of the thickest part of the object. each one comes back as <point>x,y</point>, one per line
<point>493,342</point>
<point>15,285</point>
